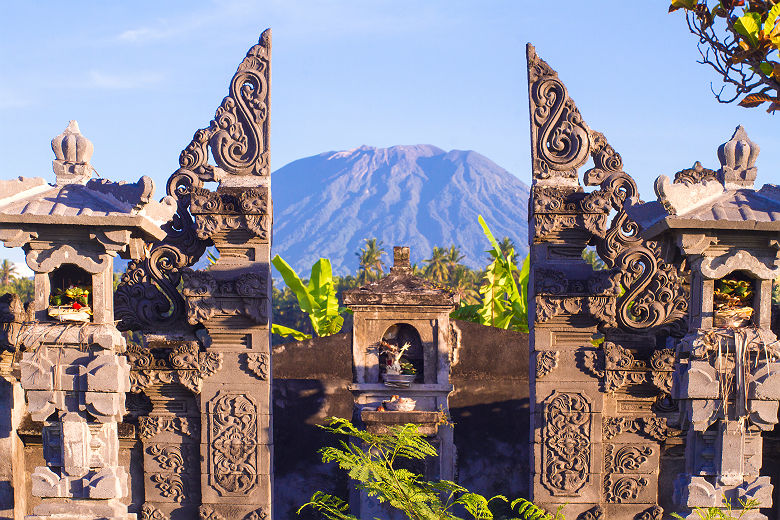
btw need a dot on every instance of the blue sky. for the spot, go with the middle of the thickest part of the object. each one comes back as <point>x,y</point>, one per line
<point>141,77</point>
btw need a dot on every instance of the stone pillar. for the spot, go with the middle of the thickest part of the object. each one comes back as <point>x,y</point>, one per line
<point>232,300</point>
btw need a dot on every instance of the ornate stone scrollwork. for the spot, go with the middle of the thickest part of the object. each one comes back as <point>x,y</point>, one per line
<point>170,485</point>
<point>618,461</point>
<point>594,513</point>
<point>258,364</point>
<point>149,512</point>
<point>238,134</point>
<point>147,298</point>
<point>207,296</point>
<point>546,361</point>
<point>151,425</point>
<point>566,443</point>
<point>231,208</point>
<point>232,447</point>
<point>652,513</point>
<point>208,513</point>
<point>655,428</point>
<point>184,365</point>
<point>560,136</point>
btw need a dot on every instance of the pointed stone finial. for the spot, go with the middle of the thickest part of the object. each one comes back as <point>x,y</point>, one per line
<point>737,161</point>
<point>401,263</point>
<point>72,152</point>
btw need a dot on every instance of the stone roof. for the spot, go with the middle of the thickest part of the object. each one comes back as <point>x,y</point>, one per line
<point>401,287</point>
<point>78,200</point>
<point>705,199</point>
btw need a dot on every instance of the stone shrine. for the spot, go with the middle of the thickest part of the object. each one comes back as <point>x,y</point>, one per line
<point>72,372</point>
<point>401,310</point>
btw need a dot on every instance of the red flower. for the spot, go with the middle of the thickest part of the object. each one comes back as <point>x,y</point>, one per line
<point>76,306</point>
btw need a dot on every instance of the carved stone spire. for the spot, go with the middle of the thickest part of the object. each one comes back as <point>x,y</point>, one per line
<point>737,161</point>
<point>73,152</point>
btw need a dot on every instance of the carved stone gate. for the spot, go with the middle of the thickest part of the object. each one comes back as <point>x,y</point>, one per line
<point>642,405</point>
<point>184,430</point>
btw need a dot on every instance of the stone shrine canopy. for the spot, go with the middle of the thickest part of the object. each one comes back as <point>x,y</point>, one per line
<point>699,198</point>
<point>401,287</point>
<point>77,200</point>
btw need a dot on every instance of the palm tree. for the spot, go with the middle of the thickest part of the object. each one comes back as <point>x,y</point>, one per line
<point>454,257</point>
<point>464,281</point>
<point>437,268</point>
<point>370,256</point>
<point>7,271</point>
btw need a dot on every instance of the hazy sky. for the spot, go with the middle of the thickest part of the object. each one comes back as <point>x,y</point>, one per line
<point>142,76</point>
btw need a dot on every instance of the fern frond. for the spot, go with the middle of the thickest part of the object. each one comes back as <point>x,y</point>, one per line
<point>529,511</point>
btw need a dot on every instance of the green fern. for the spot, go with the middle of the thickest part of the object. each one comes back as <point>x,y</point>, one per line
<point>371,462</point>
<point>530,511</point>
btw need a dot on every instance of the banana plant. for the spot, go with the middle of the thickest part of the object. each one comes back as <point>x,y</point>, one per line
<point>317,299</point>
<point>504,300</point>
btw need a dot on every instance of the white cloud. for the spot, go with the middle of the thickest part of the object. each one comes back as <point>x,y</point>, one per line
<point>105,80</point>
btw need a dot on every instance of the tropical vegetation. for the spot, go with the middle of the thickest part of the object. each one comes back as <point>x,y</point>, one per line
<point>740,40</point>
<point>378,465</point>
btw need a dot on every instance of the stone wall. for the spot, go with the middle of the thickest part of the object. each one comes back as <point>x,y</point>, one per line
<point>489,407</point>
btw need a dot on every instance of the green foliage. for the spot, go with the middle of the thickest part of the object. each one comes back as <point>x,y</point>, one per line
<point>591,257</point>
<point>504,291</point>
<point>24,287</point>
<point>373,462</point>
<point>726,513</point>
<point>371,265</point>
<point>740,41</point>
<point>317,298</point>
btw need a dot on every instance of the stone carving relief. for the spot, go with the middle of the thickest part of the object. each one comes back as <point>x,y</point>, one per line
<point>594,513</point>
<point>546,361</point>
<point>566,443</point>
<point>184,365</point>
<point>149,426</point>
<point>232,444</point>
<point>230,209</point>
<point>149,512</point>
<point>654,293</point>
<point>652,513</point>
<point>655,428</point>
<point>258,363</point>
<point>170,485</point>
<point>208,513</point>
<point>621,462</point>
<point>208,297</point>
<point>238,135</point>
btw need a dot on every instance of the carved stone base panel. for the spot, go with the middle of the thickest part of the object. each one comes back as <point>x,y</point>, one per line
<point>589,391</point>
<point>249,368</point>
<point>647,511</point>
<point>167,511</point>
<point>236,488</point>
<point>628,489</point>
<point>571,510</point>
<point>214,511</point>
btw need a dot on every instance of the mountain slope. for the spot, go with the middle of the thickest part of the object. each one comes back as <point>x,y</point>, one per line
<point>419,196</point>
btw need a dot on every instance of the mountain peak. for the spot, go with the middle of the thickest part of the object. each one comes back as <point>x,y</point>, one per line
<point>415,195</point>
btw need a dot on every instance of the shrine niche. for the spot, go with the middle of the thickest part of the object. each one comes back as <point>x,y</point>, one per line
<point>655,377</point>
